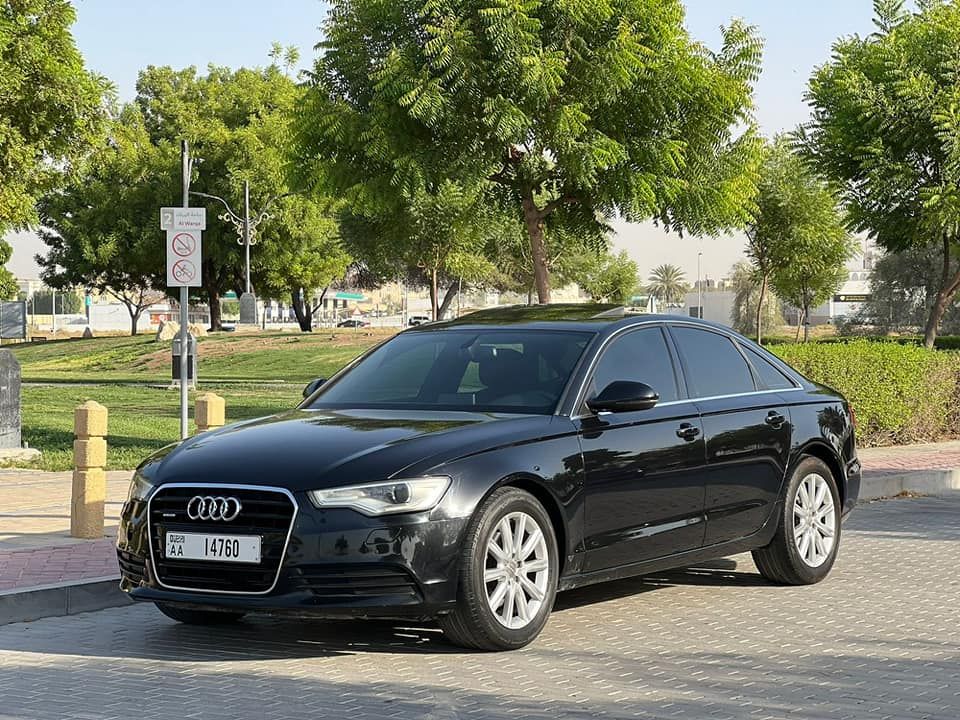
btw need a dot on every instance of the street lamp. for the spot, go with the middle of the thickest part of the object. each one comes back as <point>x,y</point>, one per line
<point>245,226</point>
<point>699,288</point>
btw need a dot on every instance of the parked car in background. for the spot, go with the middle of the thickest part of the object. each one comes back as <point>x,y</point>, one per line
<point>469,470</point>
<point>353,323</point>
<point>415,320</point>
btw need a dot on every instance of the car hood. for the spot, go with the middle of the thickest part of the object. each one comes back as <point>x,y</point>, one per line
<point>311,449</point>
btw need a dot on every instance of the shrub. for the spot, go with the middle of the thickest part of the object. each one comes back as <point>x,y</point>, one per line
<point>901,393</point>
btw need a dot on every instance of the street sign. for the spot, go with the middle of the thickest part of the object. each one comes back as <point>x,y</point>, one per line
<point>184,254</point>
<point>852,297</point>
<point>180,218</point>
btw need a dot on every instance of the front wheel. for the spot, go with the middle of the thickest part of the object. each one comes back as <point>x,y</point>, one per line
<point>198,617</point>
<point>806,542</point>
<point>508,574</point>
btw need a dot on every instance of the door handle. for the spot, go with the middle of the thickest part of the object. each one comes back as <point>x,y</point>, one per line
<point>687,431</point>
<point>775,419</point>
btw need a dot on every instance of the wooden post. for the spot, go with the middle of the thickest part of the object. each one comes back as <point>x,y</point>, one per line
<point>210,412</point>
<point>89,478</point>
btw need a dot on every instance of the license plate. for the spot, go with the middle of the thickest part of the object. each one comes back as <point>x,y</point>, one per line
<point>221,548</point>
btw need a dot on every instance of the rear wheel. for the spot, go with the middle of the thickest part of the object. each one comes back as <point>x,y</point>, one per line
<point>806,542</point>
<point>508,574</point>
<point>198,617</point>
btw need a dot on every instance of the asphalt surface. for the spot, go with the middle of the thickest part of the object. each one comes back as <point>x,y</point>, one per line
<point>880,638</point>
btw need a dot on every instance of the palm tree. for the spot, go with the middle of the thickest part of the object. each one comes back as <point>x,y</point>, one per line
<point>668,284</point>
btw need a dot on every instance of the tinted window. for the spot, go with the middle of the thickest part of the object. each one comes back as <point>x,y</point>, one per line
<point>493,371</point>
<point>714,366</point>
<point>639,356</point>
<point>769,375</point>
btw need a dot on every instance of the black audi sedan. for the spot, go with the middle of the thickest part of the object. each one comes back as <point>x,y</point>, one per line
<point>469,470</point>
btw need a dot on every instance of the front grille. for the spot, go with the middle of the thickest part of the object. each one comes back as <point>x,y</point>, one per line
<point>267,513</point>
<point>132,567</point>
<point>337,582</point>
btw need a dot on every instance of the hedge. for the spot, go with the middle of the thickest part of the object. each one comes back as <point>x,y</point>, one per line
<point>901,393</point>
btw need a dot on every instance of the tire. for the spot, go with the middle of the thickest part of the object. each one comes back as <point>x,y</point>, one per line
<point>474,623</point>
<point>789,559</point>
<point>198,617</point>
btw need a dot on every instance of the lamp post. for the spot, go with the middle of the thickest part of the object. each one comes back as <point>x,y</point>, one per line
<point>245,226</point>
<point>699,288</point>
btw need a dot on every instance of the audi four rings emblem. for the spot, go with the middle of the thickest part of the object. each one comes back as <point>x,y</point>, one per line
<point>207,507</point>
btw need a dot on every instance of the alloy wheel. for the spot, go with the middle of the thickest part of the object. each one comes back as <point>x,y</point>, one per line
<point>516,570</point>
<point>814,520</point>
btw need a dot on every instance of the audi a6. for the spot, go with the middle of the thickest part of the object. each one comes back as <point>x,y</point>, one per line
<point>467,471</point>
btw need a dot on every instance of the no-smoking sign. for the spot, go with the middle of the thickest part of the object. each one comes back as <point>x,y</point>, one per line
<point>184,255</point>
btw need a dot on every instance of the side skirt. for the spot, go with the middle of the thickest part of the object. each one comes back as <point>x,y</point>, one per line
<point>758,539</point>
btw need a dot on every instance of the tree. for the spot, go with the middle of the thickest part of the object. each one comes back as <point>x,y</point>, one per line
<point>797,229</point>
<point>886,125</point>
<point>8,285</point>
<point>903,285</point>
<point>606,277</point>
<point>67,302</point>
<point>101,225</point>
<point>668,284</point>
<point>749,298</point>
<point>49,103</point>
<point>584,109</point>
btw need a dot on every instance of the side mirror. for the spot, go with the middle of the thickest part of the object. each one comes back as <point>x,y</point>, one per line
<point>624,396</point>
<point>313,386</point>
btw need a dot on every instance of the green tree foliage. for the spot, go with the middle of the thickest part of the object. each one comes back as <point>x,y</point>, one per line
<point>886,124</point>
<point>668,284</point>
<point>577,110</point>
<point>8,285</point>
<point>68,303</point>
<point>49,103</point>
<point>606,277</point>
<point>101,225</point>
<point>104,225</point>
<point>747,299</point>
<point>797,239</point>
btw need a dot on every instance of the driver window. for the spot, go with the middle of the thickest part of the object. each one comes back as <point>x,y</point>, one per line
<point>638,356</point>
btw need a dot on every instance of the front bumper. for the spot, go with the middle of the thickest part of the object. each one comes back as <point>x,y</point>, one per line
<point>335,563</point>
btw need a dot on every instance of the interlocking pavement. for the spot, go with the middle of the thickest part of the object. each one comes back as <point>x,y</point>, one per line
<point>878,639</point>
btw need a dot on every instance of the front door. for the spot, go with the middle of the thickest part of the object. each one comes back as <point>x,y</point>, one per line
<point>643,469</point>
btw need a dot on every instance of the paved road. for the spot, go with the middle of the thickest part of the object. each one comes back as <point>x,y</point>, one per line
<point>879,639</point>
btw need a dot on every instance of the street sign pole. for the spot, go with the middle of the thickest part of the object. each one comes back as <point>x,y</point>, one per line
<point>184,306</point>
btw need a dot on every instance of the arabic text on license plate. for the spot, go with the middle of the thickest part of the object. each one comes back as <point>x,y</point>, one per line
<point>223,548</point>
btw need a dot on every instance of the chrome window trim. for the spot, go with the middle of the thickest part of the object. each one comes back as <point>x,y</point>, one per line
<point>283,555</point>
<point>579,398</point>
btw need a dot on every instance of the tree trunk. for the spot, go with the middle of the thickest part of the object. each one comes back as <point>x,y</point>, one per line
<point>216,317</point>
<point>948,288</point>
<point>796,339</point>
<point>806,323</point>
<point>763,292</point>
<point>433,294</point>
<point>302,310</point>
<point>448,297</point>
<point>533,219</point>
<point>134,320</point>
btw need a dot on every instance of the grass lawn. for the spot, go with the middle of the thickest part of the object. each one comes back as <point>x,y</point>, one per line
<point>274,366</point>
<point>289,357</point>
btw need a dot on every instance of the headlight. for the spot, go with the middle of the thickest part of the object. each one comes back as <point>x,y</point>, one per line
<point>140,489</point>
<point>399,496</point>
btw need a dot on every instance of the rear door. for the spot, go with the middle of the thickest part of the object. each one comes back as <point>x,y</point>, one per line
<point>644,469</point>
<point>746,427</point>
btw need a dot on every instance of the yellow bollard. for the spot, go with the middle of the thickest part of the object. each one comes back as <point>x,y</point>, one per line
<point>89,478</point>
<point>210,412</point>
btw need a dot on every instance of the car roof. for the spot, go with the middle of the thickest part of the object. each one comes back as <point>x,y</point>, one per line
<point>593,317</point>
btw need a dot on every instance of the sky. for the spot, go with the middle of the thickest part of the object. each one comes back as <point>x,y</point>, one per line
<point>119,37</point>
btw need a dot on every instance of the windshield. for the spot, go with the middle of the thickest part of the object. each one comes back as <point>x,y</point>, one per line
<point>480,371</point>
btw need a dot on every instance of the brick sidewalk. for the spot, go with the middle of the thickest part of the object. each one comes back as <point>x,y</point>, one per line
<point>36,547</point>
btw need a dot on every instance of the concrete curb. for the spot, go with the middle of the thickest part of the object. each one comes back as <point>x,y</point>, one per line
<point>66,598</point>
<point>878,485</point>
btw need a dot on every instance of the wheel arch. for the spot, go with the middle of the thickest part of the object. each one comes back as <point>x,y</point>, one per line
<point>825,453</point>
<point>538,488</point>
